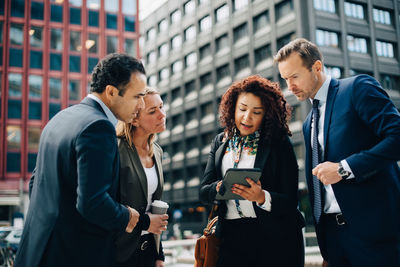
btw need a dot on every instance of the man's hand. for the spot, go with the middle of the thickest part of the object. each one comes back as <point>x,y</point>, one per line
<point>327,173</point>
<point>252,193</point>
<point>158,223</point>
<point>133,219</point>
<point>159,263</point>
<point>325,264</point>
<point>218,186</point>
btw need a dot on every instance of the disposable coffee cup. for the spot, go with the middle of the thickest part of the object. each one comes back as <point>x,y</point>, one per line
<point>158,207</point>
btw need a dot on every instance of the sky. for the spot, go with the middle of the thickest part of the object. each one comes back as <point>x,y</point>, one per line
<point>147,6</point>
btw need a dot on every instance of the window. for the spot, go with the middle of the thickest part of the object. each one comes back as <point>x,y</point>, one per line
<point>152,80</point>
<point>334,72</point>
<point>14,95</point>
<point>222,42</point>
<point>74,91</point>
<point>74,63</point>
<point>223,72</point>
<point>285,40</point>
<point>190,33</point>
<point>129,12</point>
<point>175,16</point>
<point>176,66</point>
<point>189,7</point>
<point>56,13</point>
<point>151,34</point>
<point>205,51</point>
<point>33,146</point>
<point>384,49</point>
<point>356,44</point>
<point>201,2</point>
<point>75,41</point>
<point>35,60</point>
<point>55,96</point>
<point>13,148</point>
<point>35,97</point>
<point>37,10</point>
<point>163,74</point>
<point>190,87</point>
<point>56,46</point>
<point>262,53</point>
<point>151,57</point>
<point>283,9</point>
<point>176,42</point>
<point>260,21</point>
<point>130,47</point>
<point>325,5</point>
<point>327,38</point>
<point>93,13</point>
<point>240,32</point>
<point>354,10</point>
<point>92,43</point>
<point>74,15</point>
<point>241,63</point>
<point>163,25</point>
<point>390,82</point>
<point>205,80</point>
<point>190,59</point>
<point>111,7</point>
<point>205,23</point>
<point>16,45</point>
<point>112,44</point>
<point>163,50</point>
<point>239,4</point>
<point>221,13</point>
<point>17,8</point>
<point>382,16</point>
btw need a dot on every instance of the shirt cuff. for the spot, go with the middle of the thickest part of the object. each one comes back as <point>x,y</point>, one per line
<point>267,203</point>
<point>346,167</point>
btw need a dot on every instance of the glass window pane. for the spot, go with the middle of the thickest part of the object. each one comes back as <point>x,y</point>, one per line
<point>55,88</point>
<point>55,61</point>
<point>16,34</point>
<point>56,13</point>
<point>53,109</point>
<point>15,85</point>
<point>15,57</point>
<point>130,47</point>
<point>13,162</point>
<point>35,38</point>
<point>56,39</point>
<point>1,32</point>
<point>35,86</point>
<point>74,90</point>
<point>74,63</point>
<point>77,3</point>
<point>1,7</point>
<point>75,16</point>
<point>13,137</point>
<point>111,5</point>
<point>75,41</point>
<point>92,62</point>
<point>93,20</point>
<point>35,59</point>
<point>93,4</point>
<point>14,109</point>
<point>37,10</point>
<point>35,110</point>
<point>91,43</point>
<point>111,21</point>
<point>129,23</point>
<point>129,7</point>
<point>31,161</point>
<point>112,44</point>
<point>17,8</point>
<point>0,92</point>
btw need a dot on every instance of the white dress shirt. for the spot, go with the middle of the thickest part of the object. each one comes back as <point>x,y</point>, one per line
<point>106,110</point>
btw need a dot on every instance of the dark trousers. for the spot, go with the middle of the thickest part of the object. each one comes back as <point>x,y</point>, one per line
<point>344,249</point>
<point>246,243</point>
<point>144,255</point>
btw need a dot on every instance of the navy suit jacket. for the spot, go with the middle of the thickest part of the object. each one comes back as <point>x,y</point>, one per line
<point>362,126</point>
<point>72,211</point>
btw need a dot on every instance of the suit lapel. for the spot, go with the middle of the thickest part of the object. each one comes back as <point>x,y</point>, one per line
<point>219,154</point>
<point>330,100</point>
<point>157,157</point>
<point>264,147</point>
<point>138,168</point>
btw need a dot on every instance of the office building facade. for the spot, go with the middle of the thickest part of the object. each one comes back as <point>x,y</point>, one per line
<point>48,49</point>
<point>194,49</point>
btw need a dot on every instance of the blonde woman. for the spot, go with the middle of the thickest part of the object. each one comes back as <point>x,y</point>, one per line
<point>141,182</point>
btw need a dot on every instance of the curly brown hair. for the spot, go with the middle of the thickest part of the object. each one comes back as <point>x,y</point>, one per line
<point>277,111</point>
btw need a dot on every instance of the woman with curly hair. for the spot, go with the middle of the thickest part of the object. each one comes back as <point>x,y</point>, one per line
<point>264,229</point>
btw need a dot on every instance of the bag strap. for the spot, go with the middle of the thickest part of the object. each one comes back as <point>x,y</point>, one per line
<point>212,211</point>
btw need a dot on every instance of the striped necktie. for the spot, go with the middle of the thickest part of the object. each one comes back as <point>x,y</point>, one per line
<point>316,159</point>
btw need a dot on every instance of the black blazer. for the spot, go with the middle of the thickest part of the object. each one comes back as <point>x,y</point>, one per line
<point>133,192</point>
<point>282,225</point>
<point>72,212</point>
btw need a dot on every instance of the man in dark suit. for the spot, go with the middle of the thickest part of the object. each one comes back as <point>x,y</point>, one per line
<point>73,215</point>
<point>352,139</point>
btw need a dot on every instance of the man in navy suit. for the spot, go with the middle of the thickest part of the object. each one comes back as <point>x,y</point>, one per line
<point>353,136</point>
<point>73,214</point>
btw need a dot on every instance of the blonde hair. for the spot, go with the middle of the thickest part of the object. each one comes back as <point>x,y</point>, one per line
<point>127,130</point>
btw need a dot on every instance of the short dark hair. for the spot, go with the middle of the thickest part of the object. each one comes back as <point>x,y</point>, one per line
<point>307,51</point>
<point>116,70</point>
<point>277,111</point>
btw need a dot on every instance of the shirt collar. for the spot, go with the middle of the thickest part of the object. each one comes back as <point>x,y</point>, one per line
<point>322,93</point>
<point>111,117</point>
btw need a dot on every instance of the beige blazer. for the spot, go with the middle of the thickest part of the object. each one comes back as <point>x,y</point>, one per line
<point>133,192</point>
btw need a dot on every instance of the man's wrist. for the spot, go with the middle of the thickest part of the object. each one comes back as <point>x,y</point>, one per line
<point>131,225</point>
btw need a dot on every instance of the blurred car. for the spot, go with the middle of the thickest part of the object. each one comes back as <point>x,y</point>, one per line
<point>10,234</point>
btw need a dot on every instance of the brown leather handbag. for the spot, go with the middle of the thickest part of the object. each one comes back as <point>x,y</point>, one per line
<point>207,246</point>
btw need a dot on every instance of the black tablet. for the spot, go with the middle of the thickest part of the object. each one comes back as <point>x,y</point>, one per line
<point>236,176</point>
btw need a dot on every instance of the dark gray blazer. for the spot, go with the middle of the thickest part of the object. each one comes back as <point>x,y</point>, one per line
<point>133,192</point>
<point>73,212</point>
